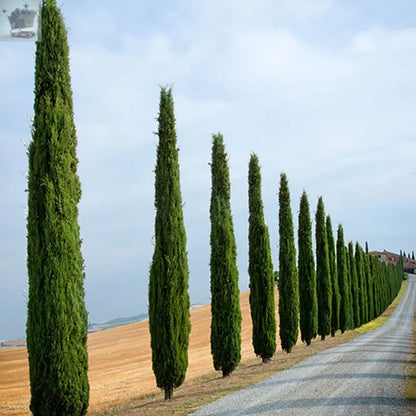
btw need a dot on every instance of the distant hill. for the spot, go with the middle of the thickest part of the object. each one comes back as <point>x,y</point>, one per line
<point>15,343</point>
<point>95,327</point>
<point>92,327</point>
<point>114,323</point>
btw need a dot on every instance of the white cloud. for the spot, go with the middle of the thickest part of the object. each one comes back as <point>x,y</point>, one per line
<point>307,10</point>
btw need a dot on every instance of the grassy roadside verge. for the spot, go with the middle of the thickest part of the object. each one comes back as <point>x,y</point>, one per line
<point>197,392</point>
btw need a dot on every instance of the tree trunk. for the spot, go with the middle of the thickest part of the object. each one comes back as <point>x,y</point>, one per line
<point>322,337</point>
<point>168,392</point>
<point>332,332</point>
<point>308,342</point>
<point>265,360</point>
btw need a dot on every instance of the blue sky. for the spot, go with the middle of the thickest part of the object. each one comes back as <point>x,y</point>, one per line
<point>322,90</point>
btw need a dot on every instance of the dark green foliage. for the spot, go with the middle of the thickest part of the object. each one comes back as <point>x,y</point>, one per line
<point>400,262</point>
<point>308,301</point>
<point>57,318</point>
<point>323,274</point>
<point>354,286</point>
<point>225,305</point>
<point>376,298</point>
<point>169,303</point>
<point>288,279</point>
<point>334,277</point>
<point>349,279</point>
<point>362,283</point>
<point>387,279</point>
<point>260,269</point>
<point>370,289</point>
<point>345,317</point>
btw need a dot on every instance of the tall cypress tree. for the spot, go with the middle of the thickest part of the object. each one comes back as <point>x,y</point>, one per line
<point>362,286</point>
<point>308,301</point>
<point>345,319</point>
<point>57,318</point>
<point>288,279</point>
<point>354,286</point>
<point>260,269</point>
<point>225,302</point>
<point>169,303</point>
<point>334,277</point>
<point>374,263</point>
<point>370,290</point>
<point>349,278</point>
<point>323,274</point>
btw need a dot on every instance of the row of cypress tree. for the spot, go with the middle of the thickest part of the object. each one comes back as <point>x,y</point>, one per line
<point>346,289</point>
<point>334,295</point>
<point>57,317</point>
<point>169,320</point>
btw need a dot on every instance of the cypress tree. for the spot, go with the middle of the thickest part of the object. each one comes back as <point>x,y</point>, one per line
<point>354,286</point>
<point>345,321</point>
<point>374,267</point>
<point>362,287</point>
<point>225,302</point>
<point>323,274</point>
<point>288,279</point>
<point>308,301</point>
<point>370,290</point>
<point>334,277</point>
<point>260,269</point>
<point>349,278</point>
<point>169,303</point>
<point>57,318</point>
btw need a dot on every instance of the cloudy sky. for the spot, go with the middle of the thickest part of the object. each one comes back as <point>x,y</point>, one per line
<point>323,90</point>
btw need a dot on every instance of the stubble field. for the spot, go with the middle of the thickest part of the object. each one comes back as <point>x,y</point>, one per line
<point>120,367</point>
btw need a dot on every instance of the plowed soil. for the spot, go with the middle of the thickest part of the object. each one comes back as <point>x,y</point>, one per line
<point>120,366</point>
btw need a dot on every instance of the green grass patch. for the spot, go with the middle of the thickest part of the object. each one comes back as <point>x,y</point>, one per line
<point>382,319</point>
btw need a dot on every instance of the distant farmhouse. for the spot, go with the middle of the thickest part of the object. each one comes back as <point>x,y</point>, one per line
<point>409,265</point>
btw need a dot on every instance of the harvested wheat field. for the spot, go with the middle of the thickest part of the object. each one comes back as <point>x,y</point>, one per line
<point>120,367</point>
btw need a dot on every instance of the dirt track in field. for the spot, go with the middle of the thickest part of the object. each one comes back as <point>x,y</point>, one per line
<point>120,367</point>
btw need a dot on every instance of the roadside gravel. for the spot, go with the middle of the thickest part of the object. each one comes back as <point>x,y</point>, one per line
<point>362,377</point>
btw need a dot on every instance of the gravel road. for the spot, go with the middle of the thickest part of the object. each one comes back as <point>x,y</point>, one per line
<point>362,377</point>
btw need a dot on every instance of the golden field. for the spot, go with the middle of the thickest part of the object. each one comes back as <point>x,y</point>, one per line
<point>120,367</point>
